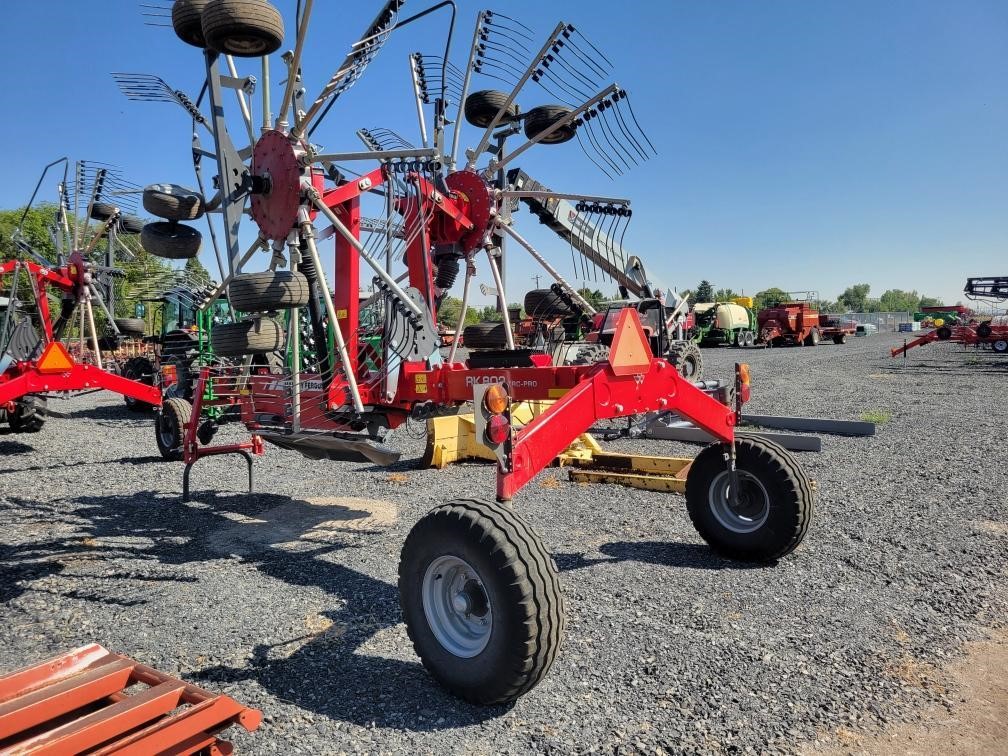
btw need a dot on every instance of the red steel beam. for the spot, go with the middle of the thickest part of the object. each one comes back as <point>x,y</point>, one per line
<point>78,378</point>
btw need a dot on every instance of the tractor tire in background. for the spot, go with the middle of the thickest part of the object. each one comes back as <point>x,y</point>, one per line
<point>138,369</point>
<point>268,290</point>
<point>29,415</point>
<point>170,240</point>
<point>840,338</point>
<point>984,330</point>
<point>131,326</point>
<point>243,28</point>
<point>813,338</point>
<point>173,202</point>
<point>170,427</point>
<point>539,119</point>
<point>490,335</point>
<point>545,303</point>
<point>686,358</point>
<point>774,508</point>
<point>481,600</point>
<point>750,339</point>
<point>131,224</point>
<point>587,354</point>
<point>187,19</point>
<point>944,333</point>
<point>259,336</point>
<point>482,106</point>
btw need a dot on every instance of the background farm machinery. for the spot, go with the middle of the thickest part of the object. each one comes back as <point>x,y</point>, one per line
<point>964,327</point>
<point>799,323</point>
<point>37,356</point>
<point>479,592</point>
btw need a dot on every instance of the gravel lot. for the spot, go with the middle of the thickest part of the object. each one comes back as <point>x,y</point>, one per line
<point>285,599</point>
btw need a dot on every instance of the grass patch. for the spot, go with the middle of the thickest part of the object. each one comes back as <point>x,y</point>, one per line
<point>875,416</point>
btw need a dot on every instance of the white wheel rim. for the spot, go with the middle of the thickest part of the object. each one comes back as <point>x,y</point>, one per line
<point>457,607</point>
<point>752,510</point>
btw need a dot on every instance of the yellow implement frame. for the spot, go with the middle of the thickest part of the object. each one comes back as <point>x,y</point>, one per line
<point>453,439</point>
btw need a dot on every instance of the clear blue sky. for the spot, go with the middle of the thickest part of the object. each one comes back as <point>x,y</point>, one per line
<point>801,144</point>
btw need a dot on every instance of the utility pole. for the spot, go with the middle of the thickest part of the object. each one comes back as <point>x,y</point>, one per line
<point>536,278</point>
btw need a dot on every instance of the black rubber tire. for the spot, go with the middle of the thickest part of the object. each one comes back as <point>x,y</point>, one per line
<point>170,427</point>
<point>740,337</point>
<point>1000,346</point>
<point>750,338</point>
<point>589,354</point>
<point>29,415</point>
<point>131,326</point>
<point>789,499</point>
<point>102,211</point>
<point>172,241</point>
<point>813,338</point>
<point>490,335</point>
<point>243,28</point>
<point>482,106</point>
<point>840,338</point>
<point>521,584</point>
<point>173,202</point>
<point>686,358</point>
<point>131,224</point>
<point>187,19</point>
<point>984,330</point>
<point>268,290</point>
<point>138,369</point>
<point>539,119</point>
<point>944,333</point>
<point>545,303</point>
<point>259,336</point>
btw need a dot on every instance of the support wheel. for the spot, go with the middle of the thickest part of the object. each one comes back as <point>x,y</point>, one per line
<point>171,240</point>
<point>545,303</point>
<point>539,119</point>
<point>259,336</point>
<point>750,338</point>
<point>131,326</point>
<point>29,414</point>
<point>984,330</point>
<point>685,357</point>
<point>170,427</point>
<point>774,506</point>
<point>243,28</point>
<point>1000,346</point>
<point>489,335</point>
<point>268,290</point>
<point>481,600</point>
<point>813,338</point>
<point>481,107</point>
<point>173,202</point>
<point>840,338</point>
<point>187,19</point>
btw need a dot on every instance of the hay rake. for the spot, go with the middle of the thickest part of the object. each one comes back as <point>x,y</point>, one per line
<point>477,585</point>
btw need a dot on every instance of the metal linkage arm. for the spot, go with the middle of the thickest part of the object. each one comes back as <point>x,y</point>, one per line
<point>601,396</point>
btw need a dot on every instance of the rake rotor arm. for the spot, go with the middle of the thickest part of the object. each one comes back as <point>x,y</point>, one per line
<point>585,305</point>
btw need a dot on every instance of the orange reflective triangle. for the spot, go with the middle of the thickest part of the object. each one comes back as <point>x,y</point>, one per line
<point>630,352</point>
<point>55,359</point>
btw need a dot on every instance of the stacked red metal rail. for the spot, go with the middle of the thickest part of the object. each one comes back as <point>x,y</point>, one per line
<point>90,701</point>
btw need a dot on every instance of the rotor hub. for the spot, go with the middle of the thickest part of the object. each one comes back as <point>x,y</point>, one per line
<point>276,177</point>
<point>472,193</point>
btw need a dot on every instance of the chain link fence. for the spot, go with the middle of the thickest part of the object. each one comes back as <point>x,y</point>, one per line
<point>884,322</point>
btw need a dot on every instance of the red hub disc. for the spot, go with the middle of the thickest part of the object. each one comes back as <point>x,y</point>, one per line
<point>276,212</point>
<point>474,198</point>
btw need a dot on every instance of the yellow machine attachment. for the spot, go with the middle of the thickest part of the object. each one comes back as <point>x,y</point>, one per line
<point>453,439</point>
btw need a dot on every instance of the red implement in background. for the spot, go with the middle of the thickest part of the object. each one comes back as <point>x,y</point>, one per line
<point>92,700</point>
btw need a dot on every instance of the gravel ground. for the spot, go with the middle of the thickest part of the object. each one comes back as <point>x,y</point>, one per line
<point>285,599</point>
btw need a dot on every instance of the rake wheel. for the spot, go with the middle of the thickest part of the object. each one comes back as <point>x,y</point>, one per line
<point>170,240</point>
<point>481,107</point>
<point>539,119</point>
